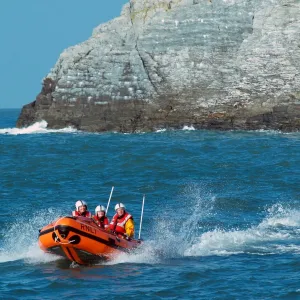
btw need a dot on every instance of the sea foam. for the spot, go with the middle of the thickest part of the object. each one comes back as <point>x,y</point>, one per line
<point>278,232</point>
<point>20,239</point>
<point>36,128</point>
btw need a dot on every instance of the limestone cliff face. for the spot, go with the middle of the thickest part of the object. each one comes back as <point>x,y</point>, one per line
<point>223,64</point>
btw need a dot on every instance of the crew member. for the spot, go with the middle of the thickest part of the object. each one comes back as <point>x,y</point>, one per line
<point>122,222</point>
<point>100,218</point>
<point>81,210</point>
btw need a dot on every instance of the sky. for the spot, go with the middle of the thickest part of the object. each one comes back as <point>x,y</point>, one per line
<point>33,33</point>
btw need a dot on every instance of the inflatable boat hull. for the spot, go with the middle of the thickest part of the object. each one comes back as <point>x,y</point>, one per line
<point>81,240</point>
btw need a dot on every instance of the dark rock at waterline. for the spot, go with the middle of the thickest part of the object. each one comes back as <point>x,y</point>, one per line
<point>220,64</point>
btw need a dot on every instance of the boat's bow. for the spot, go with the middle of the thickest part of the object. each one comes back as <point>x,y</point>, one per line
<point>81,240</point>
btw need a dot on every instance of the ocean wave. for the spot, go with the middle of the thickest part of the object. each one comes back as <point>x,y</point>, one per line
<point>36,128</point>
<point>186,127</point>
<point>277,233</point>
<point>161,130</point>
<point>274,132</point>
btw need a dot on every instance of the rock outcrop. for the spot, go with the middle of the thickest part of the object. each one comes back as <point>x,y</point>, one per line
<point>216,64</point>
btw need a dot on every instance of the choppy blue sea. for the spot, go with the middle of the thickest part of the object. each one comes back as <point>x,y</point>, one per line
<point>221,218</point>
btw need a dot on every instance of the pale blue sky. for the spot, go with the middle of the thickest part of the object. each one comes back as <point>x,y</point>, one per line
<point>34,32</point>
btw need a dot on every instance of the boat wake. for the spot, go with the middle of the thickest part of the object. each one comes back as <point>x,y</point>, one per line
<point>277,233</point>
<point>167,240</point>
<point>36,128</point>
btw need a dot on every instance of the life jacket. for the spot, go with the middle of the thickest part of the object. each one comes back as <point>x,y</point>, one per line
<point>118,223</point>
<point>86,214</point>
<point>101,222</point>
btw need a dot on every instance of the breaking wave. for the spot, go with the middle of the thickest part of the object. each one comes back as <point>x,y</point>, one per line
<point>278,232</point>
<point>188,127</point>
<point>36,128</point>
<point>184,128</point>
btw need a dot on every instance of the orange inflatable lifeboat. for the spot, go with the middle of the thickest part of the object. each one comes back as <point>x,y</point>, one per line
<point>79,239</point>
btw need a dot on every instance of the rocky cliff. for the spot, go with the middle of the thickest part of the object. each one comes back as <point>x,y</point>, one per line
<point>220,64</point>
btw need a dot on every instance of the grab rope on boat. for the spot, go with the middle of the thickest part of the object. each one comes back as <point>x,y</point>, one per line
<point>57,239</point>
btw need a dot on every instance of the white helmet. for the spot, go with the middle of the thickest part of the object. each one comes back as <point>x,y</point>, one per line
<point>80,203</point>
<point>100,208</point>
<point>119,205</point>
